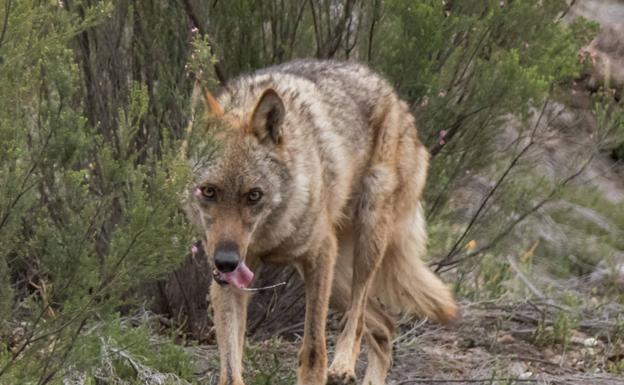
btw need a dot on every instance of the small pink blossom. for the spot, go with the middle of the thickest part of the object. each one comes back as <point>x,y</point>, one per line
<point>443,134</point>
<point>197,192</point>
<point>442,142</point>
<point>194,250</point>
<point>194,30</point>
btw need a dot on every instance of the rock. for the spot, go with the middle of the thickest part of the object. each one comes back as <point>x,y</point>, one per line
<point>506,339</point>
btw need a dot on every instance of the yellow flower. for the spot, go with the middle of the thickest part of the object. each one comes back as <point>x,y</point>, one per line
<point>471,245</point>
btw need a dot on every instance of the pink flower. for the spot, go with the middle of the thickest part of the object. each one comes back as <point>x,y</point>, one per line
<point>443,134</point>
<point>194,250</point>
<point>197,192</point>
<point>194,30</point>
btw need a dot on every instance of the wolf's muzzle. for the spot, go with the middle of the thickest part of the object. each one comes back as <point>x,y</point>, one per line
<point>226,256</point>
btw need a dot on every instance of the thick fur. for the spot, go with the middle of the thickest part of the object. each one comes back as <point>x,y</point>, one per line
<point>336,154</point>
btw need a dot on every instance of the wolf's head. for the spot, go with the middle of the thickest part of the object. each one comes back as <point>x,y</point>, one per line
<point>242,188</point>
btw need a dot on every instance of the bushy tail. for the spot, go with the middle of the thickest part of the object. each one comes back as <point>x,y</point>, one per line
<point>404,284</point>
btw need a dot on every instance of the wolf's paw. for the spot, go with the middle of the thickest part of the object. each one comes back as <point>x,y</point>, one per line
<point>229,381</point>
<point>340,378</point>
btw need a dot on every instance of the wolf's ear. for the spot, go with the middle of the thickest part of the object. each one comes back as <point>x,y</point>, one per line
<point>212,105</point>
<point>268,116</point>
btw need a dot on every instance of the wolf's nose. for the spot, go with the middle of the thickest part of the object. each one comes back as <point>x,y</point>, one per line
<point>226,257</point>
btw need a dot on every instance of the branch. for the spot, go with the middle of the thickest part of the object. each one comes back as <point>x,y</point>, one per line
<point>317,29</point>
<point>47,378</point>
<point>499,182</point>
<point>566,11</point>
<point>349,47</point>
<point>521,218</point>
<point>292,36</point>
<point>24,189</point>
<point>26,343</point>
<point>450,132</point>
<point>329,48</point>
<point>5,23</point>
<point>218,68</point>
<point>339,29</point>
<point>473,55</point>
<point>106,281</point>
<point>371,31</point>
<point>437,202</point>
<point>523,278</point>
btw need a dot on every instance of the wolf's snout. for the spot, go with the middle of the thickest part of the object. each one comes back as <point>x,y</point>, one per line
<point>226,257</point>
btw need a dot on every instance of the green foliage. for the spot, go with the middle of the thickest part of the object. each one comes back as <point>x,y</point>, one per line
<point>202,60</point>
<point>487,281</point>
<point>122,353</point>
<point>85,217</point>
<point>111,350</point>
<point>408,42</point>
<point>557,334</point>
<point>611,118</point>
<point>467,67</point>
<point>249,34</point>
<point>267,369</point>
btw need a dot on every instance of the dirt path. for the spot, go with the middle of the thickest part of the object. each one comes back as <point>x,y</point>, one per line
<point>514,344</point>
<point>521,343</point>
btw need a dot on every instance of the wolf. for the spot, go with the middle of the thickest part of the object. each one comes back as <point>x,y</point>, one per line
<point>317,165</point>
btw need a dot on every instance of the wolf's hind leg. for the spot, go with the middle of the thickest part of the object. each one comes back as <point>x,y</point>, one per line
<point>370,229</point>
<point>230,316</point>
<point>379,334</point>
<point>379,328</point>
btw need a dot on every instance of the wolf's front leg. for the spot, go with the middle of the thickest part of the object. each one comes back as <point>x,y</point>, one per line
<point>317,270</point>
<point>230,316</point>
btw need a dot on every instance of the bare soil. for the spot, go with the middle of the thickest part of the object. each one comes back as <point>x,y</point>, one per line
<point>493,343</point>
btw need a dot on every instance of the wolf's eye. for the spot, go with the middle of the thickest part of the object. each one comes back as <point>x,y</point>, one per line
<point>209,193</point>
<point>254,196</point>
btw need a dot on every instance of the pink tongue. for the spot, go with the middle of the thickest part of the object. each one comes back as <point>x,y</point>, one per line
<point>241,277</point>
